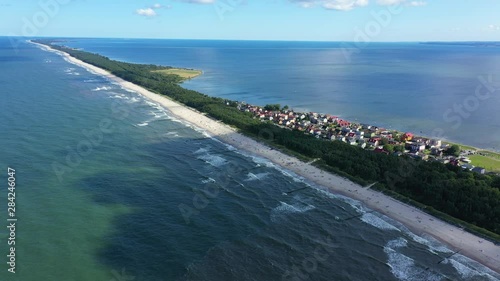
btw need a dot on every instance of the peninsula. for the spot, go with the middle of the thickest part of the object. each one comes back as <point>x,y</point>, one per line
<point>471,201</point>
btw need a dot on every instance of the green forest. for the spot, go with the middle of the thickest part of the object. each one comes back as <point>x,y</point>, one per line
<point>467,199</point>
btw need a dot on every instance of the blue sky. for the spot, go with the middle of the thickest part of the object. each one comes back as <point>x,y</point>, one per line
<point>323,20</point>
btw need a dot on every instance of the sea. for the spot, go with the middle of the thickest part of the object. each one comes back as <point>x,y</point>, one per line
<point>111,187</point>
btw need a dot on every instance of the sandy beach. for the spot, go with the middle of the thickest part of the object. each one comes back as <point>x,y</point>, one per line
<point>417,221</point>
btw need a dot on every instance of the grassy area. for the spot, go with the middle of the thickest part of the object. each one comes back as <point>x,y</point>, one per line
<point>488,162</point>
<point>462,147</point>
<point>490,154</point>
<point>182,72</point>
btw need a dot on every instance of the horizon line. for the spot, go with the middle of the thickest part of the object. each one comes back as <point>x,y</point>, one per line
<point>268,40</point>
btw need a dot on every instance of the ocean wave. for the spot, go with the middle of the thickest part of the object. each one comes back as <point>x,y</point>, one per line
<point>143,124</point>
<point>214,160</point>
<point>158,114</point>
<point>71,71</point>
<point>432,244</point>
<point>126,89</point>
<point>123,97</point>
<point>202,150</point>
<point>404,267</point>
<point>90,80</point>
<point>209,180</point>
<point>469,269</point>
<point>284,209</point>
<point>377,222</point>
<point>253,177</point>
<point>134,100</point>
<point>103,88</point>
<point>172,134</point>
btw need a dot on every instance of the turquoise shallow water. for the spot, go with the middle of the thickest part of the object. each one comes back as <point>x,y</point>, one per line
<point>152,198</point>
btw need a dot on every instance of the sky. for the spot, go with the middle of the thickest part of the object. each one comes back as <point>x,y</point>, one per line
<point>295,20</point>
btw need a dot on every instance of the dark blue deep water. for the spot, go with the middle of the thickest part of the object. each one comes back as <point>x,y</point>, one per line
<point>111,187</point>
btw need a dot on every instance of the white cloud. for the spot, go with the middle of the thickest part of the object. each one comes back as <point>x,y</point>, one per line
<point>151,11</point>
<point>417,3</point>
<point>493,27</point>
<point>346,5</point>
<point>390,2</point>
<point>340,5</point>
<point>399,2</point>
<point>198,1</point>
<point>147,12</point>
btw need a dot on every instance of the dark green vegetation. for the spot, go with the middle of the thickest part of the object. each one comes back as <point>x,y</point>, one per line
<point>451,193</point>
<point>453,150</point>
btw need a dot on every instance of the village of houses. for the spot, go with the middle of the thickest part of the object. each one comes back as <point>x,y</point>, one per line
<point>369,137</point>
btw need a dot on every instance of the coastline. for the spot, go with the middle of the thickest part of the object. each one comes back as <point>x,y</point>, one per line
<point>417,221</point>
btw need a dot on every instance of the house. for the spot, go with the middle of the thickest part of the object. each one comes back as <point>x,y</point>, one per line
<point>437,151</point>
<point>362,145</point>
<point>435,142</point>
<point>479,170</point>
<point>415,146</point>
<point>346,130</point>
<point>374,141</point>
<point>343,123</point>
<point>465,160</point>
<point>421,140</point>
<point>407,137</point>
<point>467,167</point>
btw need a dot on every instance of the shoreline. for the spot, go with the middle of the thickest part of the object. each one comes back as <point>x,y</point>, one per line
<point>417,221</point>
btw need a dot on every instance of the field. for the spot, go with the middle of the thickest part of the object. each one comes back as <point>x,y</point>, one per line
<point>182,72</point>
<point>489,162</point>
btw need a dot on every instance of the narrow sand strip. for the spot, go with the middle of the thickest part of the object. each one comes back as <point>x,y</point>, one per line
<point>419,222</point>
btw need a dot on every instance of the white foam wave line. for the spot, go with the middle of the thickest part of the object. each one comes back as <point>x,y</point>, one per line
<point>404,267</point>
<point>468,269</point>
<point>208,180</point>
<point>432,244</point>
<point>285,209</point>
<point>252,177</point>
<point>173,134</point>
<point>214,160</point>
<point>128,90</point>
<point>201,150</point>
<point>103,88</point>
<point>143,124</point>
<point>133,100</point>
<point>373,220</point>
